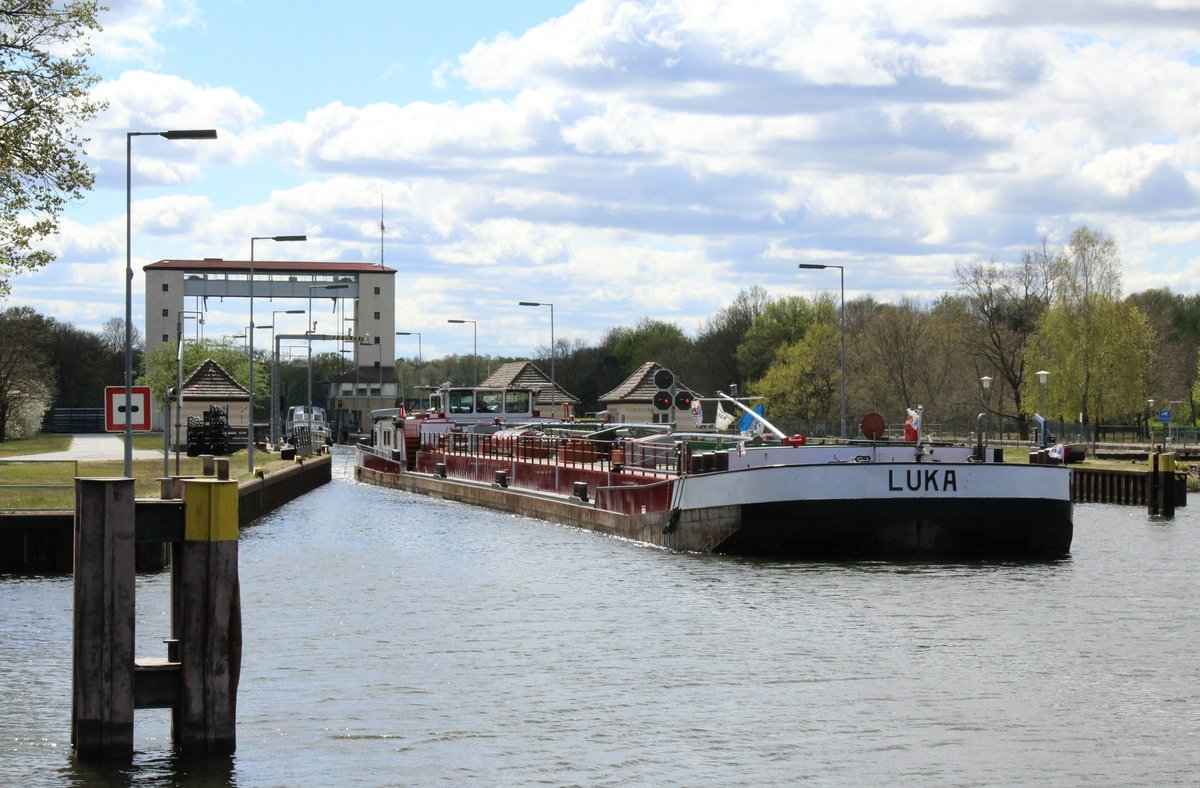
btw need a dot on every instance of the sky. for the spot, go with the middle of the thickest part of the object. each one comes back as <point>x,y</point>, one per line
<point>626,160</point>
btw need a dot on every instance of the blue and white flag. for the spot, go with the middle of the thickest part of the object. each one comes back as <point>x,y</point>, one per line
<point>748,425</point>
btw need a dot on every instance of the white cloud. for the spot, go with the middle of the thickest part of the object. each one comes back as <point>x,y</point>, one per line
<point>601,154</point>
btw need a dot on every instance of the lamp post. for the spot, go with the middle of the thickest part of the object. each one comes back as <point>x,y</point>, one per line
<point>553,386</point>
<point>250,351</point>
<point>474,350</point>
<point>312,329</point>
<point>1150,423</point>
<point>1042,376</point>
<point>275,370</point>
<point>842,320</point>
<point>417,334</point>
<point>985,383</point>
<point>176,134</point>
<point>179,317</point>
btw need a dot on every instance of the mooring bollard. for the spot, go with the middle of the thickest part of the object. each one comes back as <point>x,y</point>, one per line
<point>198,680</point>
<point>102,672</point>
<point>1161,500</point>
<point>206,464</point>
<point>222,464</point>
<point>210,631</point>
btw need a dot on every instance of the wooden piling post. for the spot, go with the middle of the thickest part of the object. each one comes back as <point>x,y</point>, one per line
<point>103,666</point>
<point>1162,484</point>
<point>206,618</point>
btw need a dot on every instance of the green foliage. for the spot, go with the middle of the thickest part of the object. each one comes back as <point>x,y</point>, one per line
<point>1098,367</point>
<point>1096,347</point>
<point>802,385</point>
<point>45,82</point>
<point>782,322</point>
<point>652,340</point>
<point>161,367</point>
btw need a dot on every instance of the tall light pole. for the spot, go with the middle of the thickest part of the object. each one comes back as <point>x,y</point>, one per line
<point>417,334</point>
<point>1042,375</point>
<point>275,370</point>
<point>250,334</point>
<point>842,320</point>
<point>985,383</point>
<point>553,385</point>
<point>474,350</point>
<point>312,330</point>
<point>179,317</point>
<point>177,134</point>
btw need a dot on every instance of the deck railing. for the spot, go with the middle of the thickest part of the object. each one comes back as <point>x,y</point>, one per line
<point>554,463</point>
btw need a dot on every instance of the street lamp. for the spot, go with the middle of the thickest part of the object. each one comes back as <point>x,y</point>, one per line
<point>177,134</point>
<point>985,383</point>
<point>553,386</point>
<point>475,349</point>
<point>312,330</point>
<point>250,333</point>
<point>417,334</point>
<point>842,320</point>
<point>179,317</point>
<point>1042,376</point>
<point>275,370</point>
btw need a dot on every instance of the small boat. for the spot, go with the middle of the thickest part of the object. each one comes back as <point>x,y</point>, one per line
<point>306,429</point>
<point>718,492</point>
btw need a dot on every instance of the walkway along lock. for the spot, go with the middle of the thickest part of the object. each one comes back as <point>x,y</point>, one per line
<point>198,678</point>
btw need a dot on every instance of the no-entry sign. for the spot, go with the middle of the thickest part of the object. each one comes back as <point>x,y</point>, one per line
<point>139,408</point>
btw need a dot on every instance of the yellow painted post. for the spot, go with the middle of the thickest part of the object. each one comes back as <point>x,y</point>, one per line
<point>206,619</point>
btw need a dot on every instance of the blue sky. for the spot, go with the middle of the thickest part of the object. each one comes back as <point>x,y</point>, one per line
<point>634,159</point>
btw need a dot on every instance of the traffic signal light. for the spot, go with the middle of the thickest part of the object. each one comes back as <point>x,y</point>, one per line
<point>683,400</point>
<point>664,378</point>
<point>662,399</point>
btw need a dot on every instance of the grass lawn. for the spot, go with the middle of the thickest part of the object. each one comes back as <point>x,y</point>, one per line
<point>55,480</point>
<point>35,445</point>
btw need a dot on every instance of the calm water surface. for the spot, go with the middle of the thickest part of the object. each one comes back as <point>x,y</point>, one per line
<point>392,639</point>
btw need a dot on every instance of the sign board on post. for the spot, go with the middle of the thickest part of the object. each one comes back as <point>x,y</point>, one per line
<point>114,408</point>
<point>1164,416</point>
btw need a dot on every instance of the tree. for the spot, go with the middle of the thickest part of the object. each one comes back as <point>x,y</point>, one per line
<point>112,334</point>
<point>801,386</point>
<point>85,364</point>
<point>653,340</point>
<point>719,337</point>
<point>27,384</point>
<point>1002,306</point>
<point>1102,369</point>
<point>161,366</point>
<point>1175,320</point>
<point>44,97</point>
<point>781,322</point>
<point>1074,331</point>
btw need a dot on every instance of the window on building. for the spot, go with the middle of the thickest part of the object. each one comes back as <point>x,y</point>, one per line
<point>377,338</point>
<point>166,313</point>
<point>377,291</point>
<point>166,287</point>
<point>376,315</point>
<point>167,339</point>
